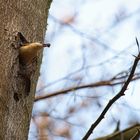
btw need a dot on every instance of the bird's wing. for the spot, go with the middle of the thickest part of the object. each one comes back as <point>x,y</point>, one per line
<point>21,40</point>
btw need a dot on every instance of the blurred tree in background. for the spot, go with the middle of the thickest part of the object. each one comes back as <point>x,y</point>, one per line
<point>93,48</point>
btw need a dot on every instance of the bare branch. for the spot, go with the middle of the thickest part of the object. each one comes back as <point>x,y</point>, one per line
<point>138,45</point>
<point>136,135</point>
<point>113,82</point>
<point>114,99</point>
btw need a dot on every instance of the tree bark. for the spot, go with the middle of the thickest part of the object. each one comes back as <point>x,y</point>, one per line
<point>30,18</point>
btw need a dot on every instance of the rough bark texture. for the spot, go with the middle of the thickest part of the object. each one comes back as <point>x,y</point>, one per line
<point>30,18</point>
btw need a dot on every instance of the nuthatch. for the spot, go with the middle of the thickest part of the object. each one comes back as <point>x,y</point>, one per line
<point>29,52</point>
<point>27,55</point>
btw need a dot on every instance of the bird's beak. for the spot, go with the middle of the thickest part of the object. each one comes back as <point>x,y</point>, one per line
<point>47,45</point>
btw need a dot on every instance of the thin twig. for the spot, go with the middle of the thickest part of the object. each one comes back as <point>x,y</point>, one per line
<point>138,45</point>
<point>111,82</point>
<point>114,99</point>
<point>136,135</point>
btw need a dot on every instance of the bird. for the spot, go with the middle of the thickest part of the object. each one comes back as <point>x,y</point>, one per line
<point>27,54</point>
<point>28,51</point>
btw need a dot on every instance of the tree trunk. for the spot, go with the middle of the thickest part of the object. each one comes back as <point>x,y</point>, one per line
<point>30,18</point>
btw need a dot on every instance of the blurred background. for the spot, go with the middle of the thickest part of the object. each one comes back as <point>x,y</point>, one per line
<point>93,43</point>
